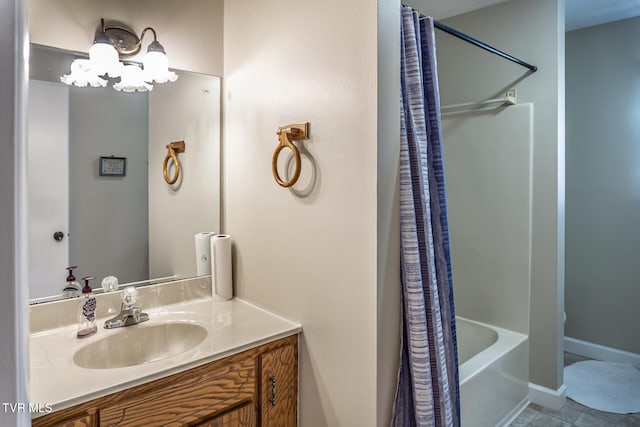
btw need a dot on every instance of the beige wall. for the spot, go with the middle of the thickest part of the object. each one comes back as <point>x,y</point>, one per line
<point>186,110</point>
<point>14,322</point>
<point>534,32</point>
<point>389,285</point>
<point>191,34</point>
<point>308,254</point>
<point>602,273</point>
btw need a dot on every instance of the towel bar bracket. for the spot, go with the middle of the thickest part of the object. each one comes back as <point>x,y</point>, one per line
<point>172,149</point>
<point>286,135</point>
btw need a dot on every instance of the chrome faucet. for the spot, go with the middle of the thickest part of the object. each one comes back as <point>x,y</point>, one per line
<point>129,314</point>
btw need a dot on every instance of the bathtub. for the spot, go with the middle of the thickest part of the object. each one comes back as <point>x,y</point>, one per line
<point>494,373</point>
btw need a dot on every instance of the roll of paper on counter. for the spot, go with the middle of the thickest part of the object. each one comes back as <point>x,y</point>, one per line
<point>221,274</point>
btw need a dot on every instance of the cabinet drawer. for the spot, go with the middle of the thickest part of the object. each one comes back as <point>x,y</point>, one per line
<point>190,399</point>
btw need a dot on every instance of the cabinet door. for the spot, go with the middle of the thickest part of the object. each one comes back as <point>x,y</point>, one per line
<point>187,400</point>
<point>86,421</point>
<point>244,416</point>
<point>53,420</point>
<point>279,387</point>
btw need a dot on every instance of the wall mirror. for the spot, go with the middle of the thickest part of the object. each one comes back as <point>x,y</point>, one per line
<point>127,222</point>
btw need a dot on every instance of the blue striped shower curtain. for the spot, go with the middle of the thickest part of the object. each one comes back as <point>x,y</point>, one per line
<point>428,392</point>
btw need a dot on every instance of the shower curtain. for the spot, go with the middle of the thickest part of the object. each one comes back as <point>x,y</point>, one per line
<point>428,391</point>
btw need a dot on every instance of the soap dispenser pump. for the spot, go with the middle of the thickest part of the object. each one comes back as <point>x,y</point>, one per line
<point>87,311</point>
<point>72,288</point>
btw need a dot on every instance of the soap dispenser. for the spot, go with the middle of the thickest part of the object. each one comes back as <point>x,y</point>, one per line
<point>87,311</point>
<point>72,288</point>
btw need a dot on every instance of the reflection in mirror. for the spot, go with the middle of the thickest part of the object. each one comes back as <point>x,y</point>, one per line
<point>123,220</point>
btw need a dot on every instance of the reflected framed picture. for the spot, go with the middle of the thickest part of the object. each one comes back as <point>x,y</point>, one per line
<point>113,166</point>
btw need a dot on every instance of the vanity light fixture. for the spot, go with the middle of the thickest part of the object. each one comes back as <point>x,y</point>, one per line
<point>82,75</point>
<point>103,56</point>
<point>132,80</point>
<point>110,44</point>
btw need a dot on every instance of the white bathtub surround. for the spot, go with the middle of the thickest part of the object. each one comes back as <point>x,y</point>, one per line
<point>549,398</point>
<point>600,352</point>
<point>494,373</point>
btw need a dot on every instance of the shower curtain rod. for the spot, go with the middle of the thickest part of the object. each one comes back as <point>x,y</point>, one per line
<point>476,42</point>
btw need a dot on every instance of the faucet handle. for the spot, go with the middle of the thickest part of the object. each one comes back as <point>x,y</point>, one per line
<point>129,297</point>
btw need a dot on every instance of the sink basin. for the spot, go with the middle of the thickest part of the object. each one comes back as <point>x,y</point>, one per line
<point>135,345</point>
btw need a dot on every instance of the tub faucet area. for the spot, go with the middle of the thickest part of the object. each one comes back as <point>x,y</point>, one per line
<point>129,314</point>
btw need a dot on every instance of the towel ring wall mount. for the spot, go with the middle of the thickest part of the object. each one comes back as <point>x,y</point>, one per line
<point>172,150</point>
<point>286,135</point>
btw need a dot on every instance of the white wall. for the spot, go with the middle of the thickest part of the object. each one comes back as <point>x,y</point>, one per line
<point>191,34</point>
<point>488,175</point>
<point>534,32</point>
<point>603,185</point>
<point>186,110</point>
<point>308,253</point>
<point>13,252</point>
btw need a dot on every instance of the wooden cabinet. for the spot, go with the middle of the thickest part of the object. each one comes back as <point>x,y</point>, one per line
<point>279,387</point>
<point>258,387</point>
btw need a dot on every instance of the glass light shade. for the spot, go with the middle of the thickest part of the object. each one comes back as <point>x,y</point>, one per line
<point>82,75</point>
<point>156,68</point>
<point>104,60</point>
<point>132,80</point>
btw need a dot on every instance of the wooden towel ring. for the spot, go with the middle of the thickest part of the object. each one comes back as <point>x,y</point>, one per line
<point>173,148</point>
<point>287,134</point>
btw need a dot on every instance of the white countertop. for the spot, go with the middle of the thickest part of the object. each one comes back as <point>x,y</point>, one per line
<point>232,326</point>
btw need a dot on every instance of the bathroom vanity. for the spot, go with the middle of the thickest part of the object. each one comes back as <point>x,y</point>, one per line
<point>240,369</point>
<point>251,388</point>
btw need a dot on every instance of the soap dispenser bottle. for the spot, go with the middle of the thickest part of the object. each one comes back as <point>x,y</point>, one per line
<point>72,288</point>
<point>87,311</point>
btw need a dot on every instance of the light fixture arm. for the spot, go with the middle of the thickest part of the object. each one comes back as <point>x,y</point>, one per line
<point>154,46</point>
<point>101,36</point>
<point>155,37</point>
<point>127,42</point>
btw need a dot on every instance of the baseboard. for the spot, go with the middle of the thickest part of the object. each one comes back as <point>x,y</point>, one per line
<point>549,398</point>
<point>600,352</point>
<point>513,414</point>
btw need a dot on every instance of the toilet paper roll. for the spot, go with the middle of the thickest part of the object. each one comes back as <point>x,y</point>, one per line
<point>203,252</point>
<point>221,275</point>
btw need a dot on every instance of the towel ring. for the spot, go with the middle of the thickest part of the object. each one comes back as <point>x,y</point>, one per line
<point>172,149</point>
<point>287,134</point>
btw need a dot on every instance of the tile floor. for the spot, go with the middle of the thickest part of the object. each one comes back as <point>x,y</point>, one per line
<point>573,414</point>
